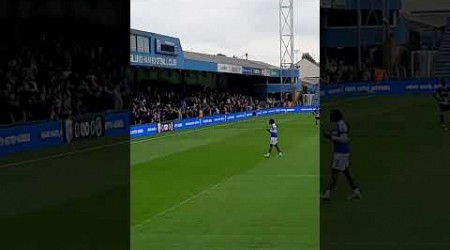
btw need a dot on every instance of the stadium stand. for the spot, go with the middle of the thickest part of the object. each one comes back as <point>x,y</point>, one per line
<point>51,68</point>
<point>415,44</point>
<point>154,105</point>
<point>170,83</point>
<point>53,77</point>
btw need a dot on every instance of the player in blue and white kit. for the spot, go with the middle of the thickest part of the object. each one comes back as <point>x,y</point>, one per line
<point>273,130</point>
<point>316,114</point>
<point>341,156</point>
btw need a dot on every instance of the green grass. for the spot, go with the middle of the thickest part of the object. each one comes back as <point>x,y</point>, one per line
<point>212,188</point>
<point>401,158</point>
<point>70,197</point>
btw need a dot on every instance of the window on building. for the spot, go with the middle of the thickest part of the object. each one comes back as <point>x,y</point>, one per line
<point>132,42</point>
<point>146,45</point>
<point>142,44</point>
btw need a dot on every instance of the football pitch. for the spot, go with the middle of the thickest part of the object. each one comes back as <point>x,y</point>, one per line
<point>211,188</point>
<point>401,159</point>
<point>75,196</point>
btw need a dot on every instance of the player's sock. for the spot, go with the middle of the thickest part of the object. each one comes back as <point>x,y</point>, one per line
<point>350,180</point>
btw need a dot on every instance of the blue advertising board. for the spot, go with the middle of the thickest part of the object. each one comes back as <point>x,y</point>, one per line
<point>30,136</point>
<point>247,71</point>
<point>143,59</point>
<point>143,130</point>
<point>50,133</point>
<point>426,86</point>
<point>138,131</point>
<point>117,123</point>
<point>46,134</point>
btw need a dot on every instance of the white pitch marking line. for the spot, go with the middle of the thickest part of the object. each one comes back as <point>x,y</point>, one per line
<point>186,132</point>
<point>51,157</point>
<point>298,176</point>
<point>108,145</point>
<point>60,155</point>
<point>176,206</point>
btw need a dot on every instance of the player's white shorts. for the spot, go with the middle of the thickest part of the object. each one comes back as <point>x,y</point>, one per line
<point>273,140</point>
<point>341,161</point>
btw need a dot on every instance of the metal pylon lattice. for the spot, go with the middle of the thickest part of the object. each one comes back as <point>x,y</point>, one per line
<point>286,8</point>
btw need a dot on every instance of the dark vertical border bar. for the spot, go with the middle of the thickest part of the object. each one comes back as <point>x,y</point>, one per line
<point>64,183</point>
<point>399,152</point>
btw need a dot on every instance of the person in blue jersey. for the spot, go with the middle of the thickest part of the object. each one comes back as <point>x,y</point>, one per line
<point>273,130</point>
<point>316,114</point>
<point>442,96</point>
<point>341,155</point>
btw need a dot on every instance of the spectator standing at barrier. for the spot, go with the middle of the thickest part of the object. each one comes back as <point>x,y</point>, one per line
<point>156,103</point>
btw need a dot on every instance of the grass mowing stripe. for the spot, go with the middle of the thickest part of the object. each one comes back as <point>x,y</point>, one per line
<point>193,130</point>
<point>193,197</point>
<point>225,194</point>
<point>176,206</point>
<point>149,150</point>
<point>60,155</point>
<point>399,156</point>
<point>135,141</point>
<point>94,148</point>
<point>173,166</point>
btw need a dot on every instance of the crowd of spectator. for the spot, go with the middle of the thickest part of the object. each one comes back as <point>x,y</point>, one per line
<point>155,105</point>
<point>336,71</point>
<point>373,66</point>
<point>333,72</point>
<point>56,77</point>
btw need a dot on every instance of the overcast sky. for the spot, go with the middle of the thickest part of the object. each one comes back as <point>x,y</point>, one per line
<point>231,27</point>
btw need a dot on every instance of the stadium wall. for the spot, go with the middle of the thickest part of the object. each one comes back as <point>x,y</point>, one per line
<point>45,134</point>
<point>144,130</point>
<point>426,86</point>
<point>154,57</point>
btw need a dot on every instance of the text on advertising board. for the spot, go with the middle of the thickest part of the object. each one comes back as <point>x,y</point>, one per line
<point>84,127</point>
<point>153,60</point>
<point>227,68</point>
